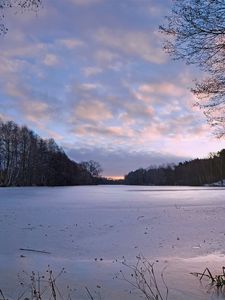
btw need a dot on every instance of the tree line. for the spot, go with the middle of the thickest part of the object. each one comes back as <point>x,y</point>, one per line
<point>194,172</point>
<point>28,160</point>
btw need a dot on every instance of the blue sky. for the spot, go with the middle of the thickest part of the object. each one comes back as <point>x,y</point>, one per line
<point>92,74</point>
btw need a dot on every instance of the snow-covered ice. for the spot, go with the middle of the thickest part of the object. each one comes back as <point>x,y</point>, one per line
<point>90,229</point>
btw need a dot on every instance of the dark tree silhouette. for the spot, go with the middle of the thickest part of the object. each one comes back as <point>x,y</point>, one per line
<point>26,160</point>
<point>19,6</point>
<point>196,34</point>
<point>93,167</point>
<point>194,172</point>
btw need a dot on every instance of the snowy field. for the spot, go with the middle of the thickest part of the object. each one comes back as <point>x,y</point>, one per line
<point>90,230</point>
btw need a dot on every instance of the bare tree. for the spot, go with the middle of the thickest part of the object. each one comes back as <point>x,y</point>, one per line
<point>196,34</point>
<point>26,160</point>
<point>18,5</point>
<point>93,167</point>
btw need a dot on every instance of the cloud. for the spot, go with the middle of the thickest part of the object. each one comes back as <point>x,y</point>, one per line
<point>137,111</point>
<point>92,71</point>
<point>98,74</point>
<point>71,43</point>
<point>100,130</point>
<point>51,60</point>
<point>36,111</point>
<point>85,2</point>
<point>105,56</point>
<point>136,43</point>
<point>93,111</point>
<point>119,163</point>
<point>89,86</point>
<point>180,127</point>
<point>25,50</point>
<point>32,106</point>
<point>164,88</point>
<point>159,114</point>
<point>8,66</point>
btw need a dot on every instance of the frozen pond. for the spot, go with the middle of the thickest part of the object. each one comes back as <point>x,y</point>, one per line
<point>89,230</point>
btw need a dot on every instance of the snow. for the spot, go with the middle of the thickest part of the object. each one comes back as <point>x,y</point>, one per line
<point>90,229</point>
<point>218,183</point>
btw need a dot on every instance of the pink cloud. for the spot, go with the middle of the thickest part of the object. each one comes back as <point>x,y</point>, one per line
<point>140,44</point>
<point>164,88</point>
<point>93,111</point>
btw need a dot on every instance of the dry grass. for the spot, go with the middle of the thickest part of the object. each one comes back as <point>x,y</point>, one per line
<point>216,281</point>
<point>38,286</point>
<point>141,276</point>
<point>144,279</point>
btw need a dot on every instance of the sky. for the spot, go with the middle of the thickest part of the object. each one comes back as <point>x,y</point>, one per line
<point>92,74</point>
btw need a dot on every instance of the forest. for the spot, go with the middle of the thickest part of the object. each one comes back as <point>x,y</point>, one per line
<point>28,160</point>
<point>195,172</point>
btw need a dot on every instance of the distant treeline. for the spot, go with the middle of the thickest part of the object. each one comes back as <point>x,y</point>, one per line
<point>27,160</point>
<point>195,172</point>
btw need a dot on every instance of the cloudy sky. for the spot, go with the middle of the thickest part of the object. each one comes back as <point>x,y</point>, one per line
<point>92,75</point>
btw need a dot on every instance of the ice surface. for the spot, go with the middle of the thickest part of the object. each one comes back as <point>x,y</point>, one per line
<point>90,229</point>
